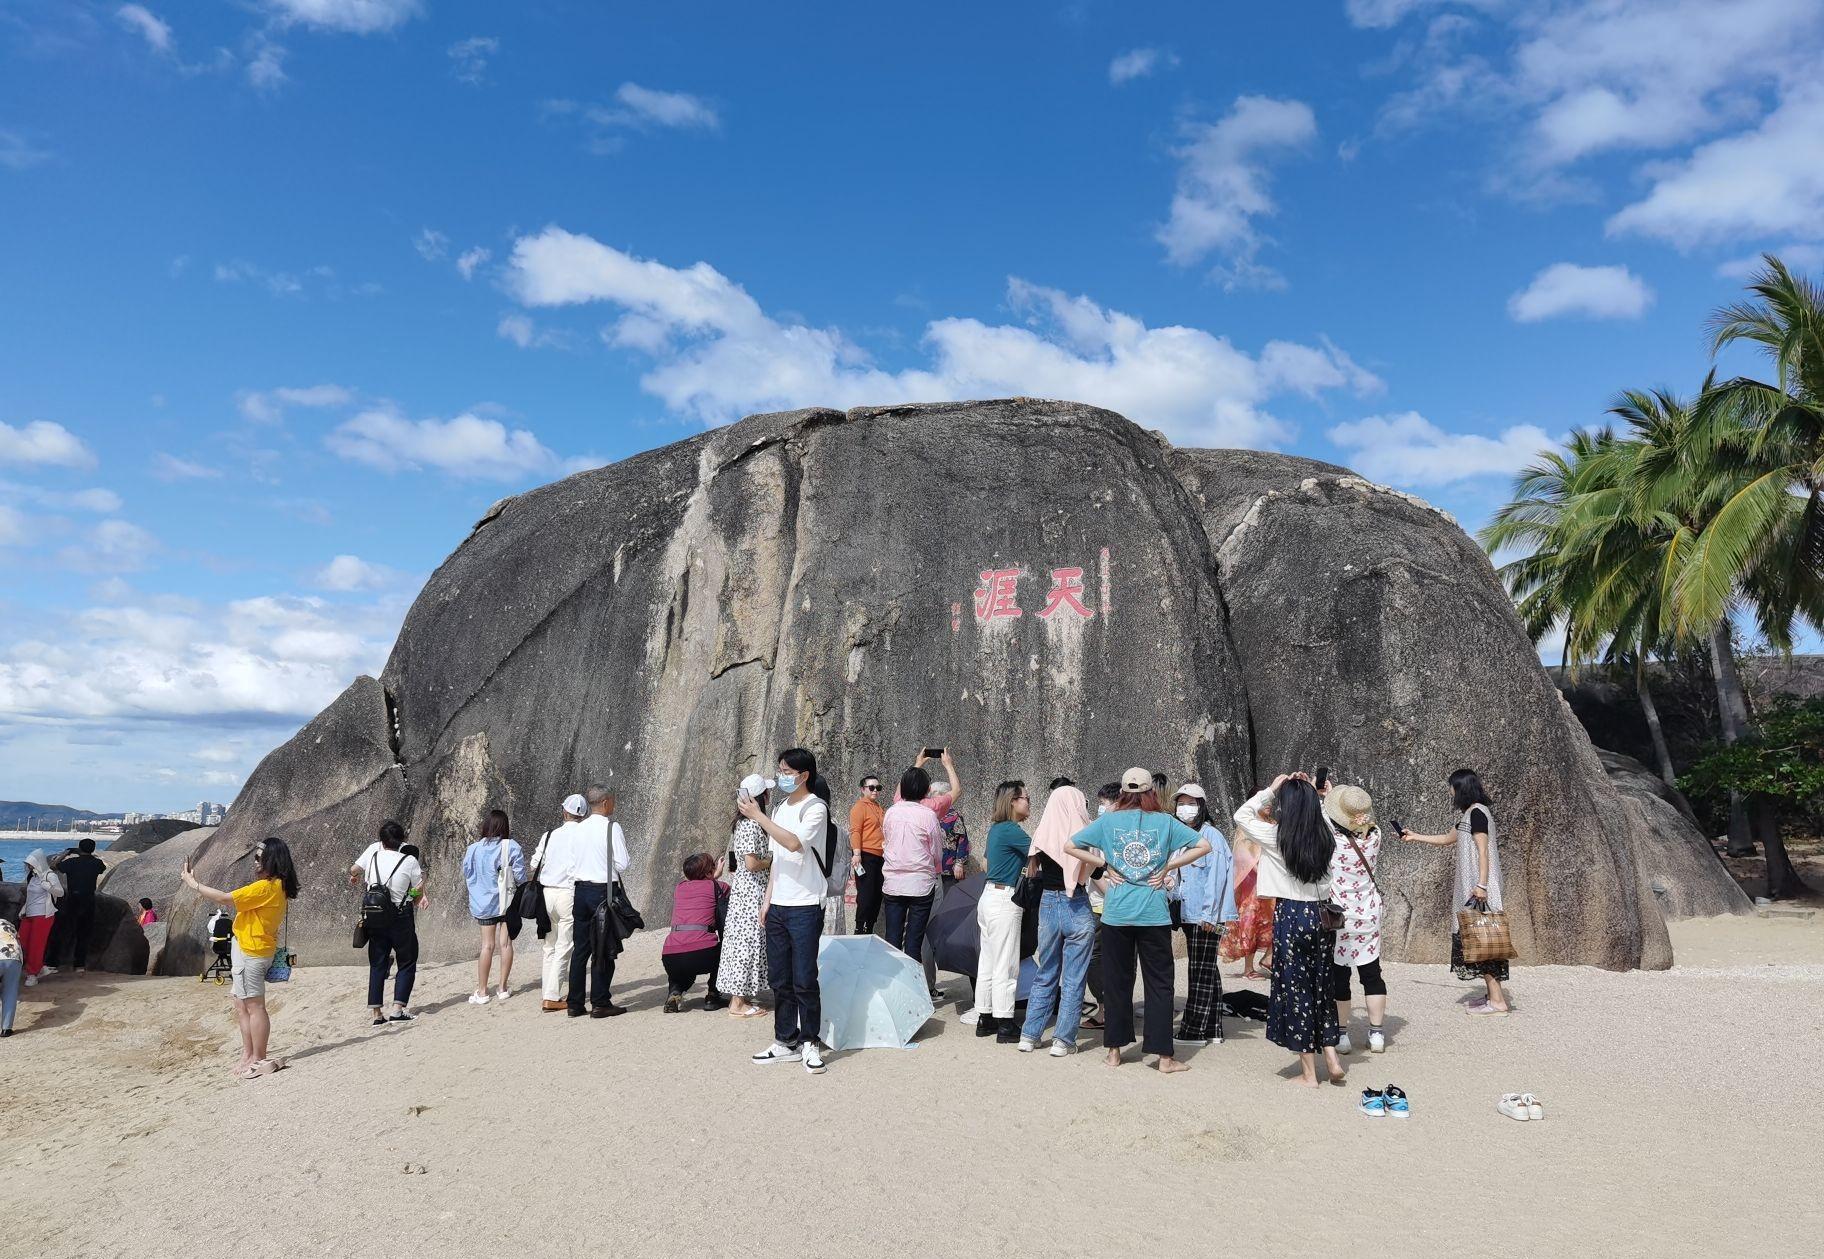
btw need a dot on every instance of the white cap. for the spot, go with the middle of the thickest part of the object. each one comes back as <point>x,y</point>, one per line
<point>754,785</point>
<point>1192,790</point>
<point>575,805</point>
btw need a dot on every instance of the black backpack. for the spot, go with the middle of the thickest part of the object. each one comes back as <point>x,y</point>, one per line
<point>377,907</point>
<point>826,860</point>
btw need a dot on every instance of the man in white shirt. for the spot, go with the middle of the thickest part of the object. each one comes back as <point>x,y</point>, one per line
<point>555,861</point>
<point>793,910</point>
<point>381,864</point>
<point>597,843</point>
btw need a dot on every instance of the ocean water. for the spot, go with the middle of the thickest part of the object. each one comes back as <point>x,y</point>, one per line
<point>14,845</point>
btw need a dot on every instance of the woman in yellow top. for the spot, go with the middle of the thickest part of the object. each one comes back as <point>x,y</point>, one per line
<point>259,912</point>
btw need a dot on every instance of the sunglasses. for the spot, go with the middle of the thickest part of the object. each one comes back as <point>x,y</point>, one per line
<point>870,786</point>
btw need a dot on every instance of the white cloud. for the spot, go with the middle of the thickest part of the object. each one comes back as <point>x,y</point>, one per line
<point>1797,256</point>
<point>239,271</point>
<point>1564,288</point>
<point>1379,14</point>
<point>471,259</point>
<point>265,65</point>
<point>95,500</point>
<point>469,58</point>
<point>147,25</point>
<point>99,500</point>
<point>350,572</point>
<point>1757,183</point>
<point>357,17</point>
<point>113,546</point>
<point>170,468</point>
<point>666,109</point>
<point>430,243</point>
<point>44,444</point>
<point>13,531</point>
<point>273,657</point>
<point>717,355</point>
<point>1407,449</point>
<point>17,153</point>
<point>466,445</point>
<point>521,331</point>
<point>1138,63</point>
<point>1223,187</point>
<point>268,406</point>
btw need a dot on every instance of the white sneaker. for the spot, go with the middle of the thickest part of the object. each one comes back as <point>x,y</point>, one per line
<point>776,1053</point>
<point>49,970</point>
<point>503,994</point>
<point>1194,1041</point>
<point>31,981</point>
<point>1377,1043</point>
<point>971,1017</point>
<point>1062,1049</point>
<point>478,998</point>
<point>813,1057</point>
<point>1345,1045</point>
<point>1027,1046</point>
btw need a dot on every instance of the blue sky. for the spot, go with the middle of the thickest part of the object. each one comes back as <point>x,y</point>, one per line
<point>290,290</point>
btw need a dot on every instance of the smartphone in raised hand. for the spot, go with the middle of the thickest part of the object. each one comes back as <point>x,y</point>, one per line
<point>935,754</point>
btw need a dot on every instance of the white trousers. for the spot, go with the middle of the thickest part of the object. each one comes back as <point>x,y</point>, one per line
<point>997,974</point>
<point>560,904</point>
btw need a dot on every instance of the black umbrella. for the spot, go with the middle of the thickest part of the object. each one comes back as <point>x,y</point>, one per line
<point>954,940</point>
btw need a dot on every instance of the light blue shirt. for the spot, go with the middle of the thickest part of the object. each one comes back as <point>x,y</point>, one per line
<point>481,871</point>
<point>1206,887</point>
<point>1137,845</point>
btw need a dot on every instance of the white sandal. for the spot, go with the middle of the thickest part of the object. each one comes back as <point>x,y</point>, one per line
<point>1513,1107</point>
<point>1533,1109</point>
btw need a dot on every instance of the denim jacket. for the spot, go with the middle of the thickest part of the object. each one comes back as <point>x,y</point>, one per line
<point>1206,887</point>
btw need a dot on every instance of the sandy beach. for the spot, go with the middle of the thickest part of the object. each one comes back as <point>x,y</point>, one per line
<point>1677,1123</point>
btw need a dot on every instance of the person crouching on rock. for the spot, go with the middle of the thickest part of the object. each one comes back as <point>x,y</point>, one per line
<point>1286,820</point>
<point>384,866</point>
<point>693,947</point>
<point>600,850</point>
<point>798,837</point>
<point>493,867</point>
<point>259,915</point>
<point>1137,844</point>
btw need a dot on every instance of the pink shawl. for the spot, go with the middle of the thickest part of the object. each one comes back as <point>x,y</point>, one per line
<point>1066,813</point>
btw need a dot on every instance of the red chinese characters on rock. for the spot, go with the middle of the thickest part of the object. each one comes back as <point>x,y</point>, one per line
<point>1065,594</point>
<point>997,597</point>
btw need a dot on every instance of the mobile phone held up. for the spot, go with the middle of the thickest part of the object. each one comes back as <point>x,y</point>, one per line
<point>1399,827</point>
<point>743,796</point>
<point>936,754</point>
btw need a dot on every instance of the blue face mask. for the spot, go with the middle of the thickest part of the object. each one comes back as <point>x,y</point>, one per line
<point>788,783</point>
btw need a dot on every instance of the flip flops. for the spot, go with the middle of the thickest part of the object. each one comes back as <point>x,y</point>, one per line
<point>267,1066</point>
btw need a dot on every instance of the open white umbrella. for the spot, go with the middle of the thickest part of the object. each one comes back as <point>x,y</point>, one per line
<point>874,996</point>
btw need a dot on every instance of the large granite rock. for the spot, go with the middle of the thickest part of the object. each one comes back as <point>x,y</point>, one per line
<point>1033,584</point>
<point>145,835</point>
<point>1675,859</point>
<point>117,943</point>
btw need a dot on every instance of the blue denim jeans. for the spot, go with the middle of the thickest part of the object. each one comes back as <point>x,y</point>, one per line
<point>792,933</point>
<point>1067,929</point>
<point>11,971</point>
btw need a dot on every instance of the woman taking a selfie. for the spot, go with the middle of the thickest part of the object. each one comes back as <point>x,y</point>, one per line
<point>742,972</point>
<point>259,916</point>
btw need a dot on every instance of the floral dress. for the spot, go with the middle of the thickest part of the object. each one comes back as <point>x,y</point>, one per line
<point>1352,887</point>
<point>1252,932</point>
<point>742,972</point>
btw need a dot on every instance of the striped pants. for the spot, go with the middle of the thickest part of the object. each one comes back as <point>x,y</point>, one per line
<point>1202,1007</point>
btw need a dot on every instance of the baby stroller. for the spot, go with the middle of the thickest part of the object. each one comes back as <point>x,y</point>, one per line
<point>221,943</point>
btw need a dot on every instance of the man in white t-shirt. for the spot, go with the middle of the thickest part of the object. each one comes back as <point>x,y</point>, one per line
<point>598,845</point>
<point>555,861</point>
<point>381,864</point>
<point>793,909</point>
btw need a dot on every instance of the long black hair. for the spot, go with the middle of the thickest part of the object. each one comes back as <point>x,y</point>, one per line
<point>1305,840</point>
<point>1466,789</point>
<point>272,860</point>
<point>804,761</point>
<point>496,825</point>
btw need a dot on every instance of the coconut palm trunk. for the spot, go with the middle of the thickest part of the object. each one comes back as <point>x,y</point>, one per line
<point>1732,711</point>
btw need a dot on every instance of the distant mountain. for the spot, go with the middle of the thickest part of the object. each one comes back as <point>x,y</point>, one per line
<point>19,814</point>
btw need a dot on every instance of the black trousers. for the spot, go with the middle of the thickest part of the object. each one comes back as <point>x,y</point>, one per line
<point>868,892</point>
<point>1151,948</point>
<point>684,969</point>
<point>589,897</point>
<point>78,915</point>
<point>1094,974</point>
<point>398,941</point>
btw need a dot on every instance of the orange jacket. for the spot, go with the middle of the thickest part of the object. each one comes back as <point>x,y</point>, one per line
<point>864,828</point>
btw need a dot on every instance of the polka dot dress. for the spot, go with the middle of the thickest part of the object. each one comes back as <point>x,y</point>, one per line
<point>1300,1014</point>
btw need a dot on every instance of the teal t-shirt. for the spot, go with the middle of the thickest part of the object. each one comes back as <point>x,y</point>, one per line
<point>1008,843</point>
<point>1138,844</point>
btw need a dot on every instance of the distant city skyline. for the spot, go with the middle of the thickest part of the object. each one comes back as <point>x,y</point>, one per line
<point>296,290</point>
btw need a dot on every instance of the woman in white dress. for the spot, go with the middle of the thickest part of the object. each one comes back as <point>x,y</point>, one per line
<point>1353,885</point>
<point>742,972</point>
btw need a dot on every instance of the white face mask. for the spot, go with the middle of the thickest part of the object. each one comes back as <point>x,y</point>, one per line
<point>788,783</point>
<point>1187,812</point>
<point>1101,807</point>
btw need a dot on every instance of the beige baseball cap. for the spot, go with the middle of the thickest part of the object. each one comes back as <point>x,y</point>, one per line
<point>1137,779</point>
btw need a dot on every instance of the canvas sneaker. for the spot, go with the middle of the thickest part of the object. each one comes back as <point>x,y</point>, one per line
<point>813,1057</point>
<point>1344,1045</point>
<point>775,1053</point>
<point>1062,1049</point>
<point>1377,1043</point>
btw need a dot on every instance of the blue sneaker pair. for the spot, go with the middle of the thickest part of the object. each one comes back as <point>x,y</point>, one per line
<point>1390,1101</point>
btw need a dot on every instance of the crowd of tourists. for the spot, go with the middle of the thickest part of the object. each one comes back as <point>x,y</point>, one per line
<point>1291,892</point>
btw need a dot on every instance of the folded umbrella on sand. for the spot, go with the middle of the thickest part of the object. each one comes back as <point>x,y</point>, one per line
<point>874,996</point>
<point>954,939</point>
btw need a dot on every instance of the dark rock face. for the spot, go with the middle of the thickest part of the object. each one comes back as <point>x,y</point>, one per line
<point>1675,859</point>
<point>143,835</point>
<point>1032,584</point>
<point>116,944</point>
